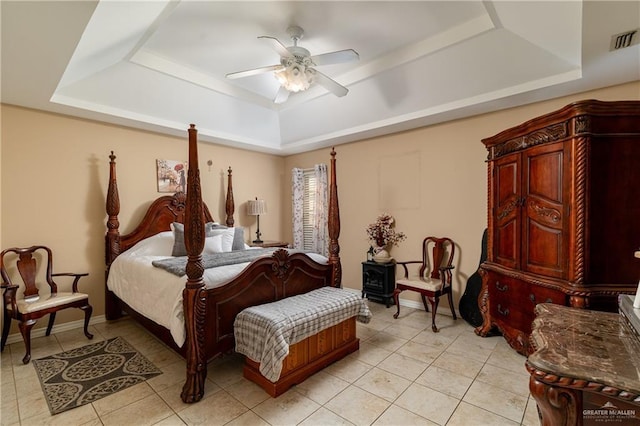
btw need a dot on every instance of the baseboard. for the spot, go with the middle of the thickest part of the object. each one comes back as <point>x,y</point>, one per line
<point>40,332</point>
<point>415,304</point>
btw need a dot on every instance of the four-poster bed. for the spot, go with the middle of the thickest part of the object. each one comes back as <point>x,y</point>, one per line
<point>209,312</point>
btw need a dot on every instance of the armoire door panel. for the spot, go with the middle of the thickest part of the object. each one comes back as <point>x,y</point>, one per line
<point>543,244</point>
<point>506,247</point>
<point>507,180</point>
<point>507,190</point>
<point>544,251</point>
<point>544,173</point>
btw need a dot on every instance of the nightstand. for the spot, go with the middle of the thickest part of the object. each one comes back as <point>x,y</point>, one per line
<point>379,281</point>
<point>266,244</point>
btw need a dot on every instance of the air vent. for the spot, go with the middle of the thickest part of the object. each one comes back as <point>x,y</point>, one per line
<point>625,39</point>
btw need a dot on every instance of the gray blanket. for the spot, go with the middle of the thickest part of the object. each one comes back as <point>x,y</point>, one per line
<point>178,265</point>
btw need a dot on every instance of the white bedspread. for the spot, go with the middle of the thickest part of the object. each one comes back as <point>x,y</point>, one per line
<point>157,294</point>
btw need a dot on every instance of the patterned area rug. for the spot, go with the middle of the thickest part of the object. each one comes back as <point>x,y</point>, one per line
<point>83,375</point>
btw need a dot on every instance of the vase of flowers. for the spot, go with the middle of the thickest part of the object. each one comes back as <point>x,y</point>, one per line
<point>383,236</point>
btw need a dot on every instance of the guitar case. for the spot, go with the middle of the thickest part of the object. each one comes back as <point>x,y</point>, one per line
<point>468,307</point>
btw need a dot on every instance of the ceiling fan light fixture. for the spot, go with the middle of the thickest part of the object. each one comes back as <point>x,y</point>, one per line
<point>295,77</point>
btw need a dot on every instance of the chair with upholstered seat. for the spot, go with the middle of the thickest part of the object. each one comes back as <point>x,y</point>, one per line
<point>433,277</point>
<point>31,305</point>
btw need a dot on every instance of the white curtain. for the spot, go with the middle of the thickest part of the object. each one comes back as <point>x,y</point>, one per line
<point>320,224</point>
<point>297,182</point>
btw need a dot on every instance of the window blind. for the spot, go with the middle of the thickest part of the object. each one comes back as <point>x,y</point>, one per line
<point>309,208</point>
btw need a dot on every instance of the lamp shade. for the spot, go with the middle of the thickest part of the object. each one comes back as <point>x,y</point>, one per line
<point>295,77</point>
<point>256,207</point>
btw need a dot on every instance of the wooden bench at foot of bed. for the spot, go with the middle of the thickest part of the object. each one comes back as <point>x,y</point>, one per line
<point>285,342</point>
<point>308,357</point>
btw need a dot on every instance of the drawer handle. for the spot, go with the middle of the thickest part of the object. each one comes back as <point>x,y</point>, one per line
<point>533,299</point>
<point>503,288</point>
<point>502,312</point>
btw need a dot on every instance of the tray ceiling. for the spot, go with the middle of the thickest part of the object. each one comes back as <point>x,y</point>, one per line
<point>160,65</point>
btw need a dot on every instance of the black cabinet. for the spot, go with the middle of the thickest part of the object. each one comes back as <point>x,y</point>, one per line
<point>379,281</point>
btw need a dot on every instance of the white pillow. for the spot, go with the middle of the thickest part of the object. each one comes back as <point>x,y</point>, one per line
<point>226,235</point>
<point>157,245</point>
<point>213,244</point>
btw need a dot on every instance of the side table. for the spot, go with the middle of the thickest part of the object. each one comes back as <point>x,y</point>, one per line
<point>379,281</point>
<point>266,244</point>
<point>585,369</point>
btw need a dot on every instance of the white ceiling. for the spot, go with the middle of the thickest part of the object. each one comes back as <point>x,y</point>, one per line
<point>160,65</point>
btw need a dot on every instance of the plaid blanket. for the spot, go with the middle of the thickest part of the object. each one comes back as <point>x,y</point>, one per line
<point>264,332</point>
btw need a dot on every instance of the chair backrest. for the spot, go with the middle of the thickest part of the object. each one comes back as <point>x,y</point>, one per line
<point>442,251</point>
<point>26,264</point>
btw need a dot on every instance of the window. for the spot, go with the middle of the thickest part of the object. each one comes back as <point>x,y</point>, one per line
<point>308,209</point>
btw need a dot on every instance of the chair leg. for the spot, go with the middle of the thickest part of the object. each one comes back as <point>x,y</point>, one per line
<point>25,330</point>
<point>424,302</point>
<point>453,311</point>
<point>396,294</point>
<point>5,330</point>
<point>52,318</point>
<point>434,305</point>
<point>88,309</point>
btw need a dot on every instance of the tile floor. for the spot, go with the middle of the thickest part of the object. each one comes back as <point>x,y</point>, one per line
<point>403,374</point>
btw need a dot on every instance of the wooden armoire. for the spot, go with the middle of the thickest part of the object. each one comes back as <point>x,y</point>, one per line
<point>563,215</point>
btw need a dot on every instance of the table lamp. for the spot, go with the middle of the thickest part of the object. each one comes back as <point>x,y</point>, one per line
<point>256,208</point>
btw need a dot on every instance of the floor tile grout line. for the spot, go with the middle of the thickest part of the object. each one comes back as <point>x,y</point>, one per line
<point>442,351</point>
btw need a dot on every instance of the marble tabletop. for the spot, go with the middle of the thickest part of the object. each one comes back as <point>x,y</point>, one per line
<point>587,347</point>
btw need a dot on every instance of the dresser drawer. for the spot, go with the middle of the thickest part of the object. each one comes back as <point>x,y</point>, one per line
<point>512,301</point>
<point>539,294</point>
<point>507,302</point>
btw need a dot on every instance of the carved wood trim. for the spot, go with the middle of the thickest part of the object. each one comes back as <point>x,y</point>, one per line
<point>193,303</point>
<point>483,305</point>
<point>581,384</point>
<point>579,208</point>
<point>490,224</point>
<point>556,406</point>
<point>546,214</point>
<point>551,133</point>
<point>334,224</point>
<point>582,124</point>
<point>229,204</point>
<point>112,242</point>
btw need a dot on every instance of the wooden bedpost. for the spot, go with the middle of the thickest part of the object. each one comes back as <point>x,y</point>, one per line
<point>229,206</point>
<point>193,298</point>
<point>334,225</point>
<point>112,239</point>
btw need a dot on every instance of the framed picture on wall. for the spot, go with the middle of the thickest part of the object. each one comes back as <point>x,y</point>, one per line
<point>171,175</point>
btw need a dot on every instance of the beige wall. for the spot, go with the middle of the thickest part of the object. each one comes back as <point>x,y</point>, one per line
<point>433,180</point>
<point>55,172</point>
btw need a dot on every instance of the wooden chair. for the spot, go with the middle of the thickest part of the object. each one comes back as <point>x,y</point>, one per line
<point>30,306</point>
<point>433,278</point>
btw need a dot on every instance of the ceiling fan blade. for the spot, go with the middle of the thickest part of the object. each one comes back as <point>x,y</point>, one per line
<point>330,84</point>
<point>281,96</point>
<point>277,46</point>
<point>336,57</point>
<point>255,71</point>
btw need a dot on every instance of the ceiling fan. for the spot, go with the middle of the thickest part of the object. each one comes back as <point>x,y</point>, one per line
<point>296,71</point>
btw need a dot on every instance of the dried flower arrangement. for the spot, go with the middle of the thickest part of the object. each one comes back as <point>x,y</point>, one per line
<point>382,233</point>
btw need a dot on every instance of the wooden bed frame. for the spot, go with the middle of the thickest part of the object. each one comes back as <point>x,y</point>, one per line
<point>210,313</point>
